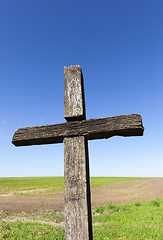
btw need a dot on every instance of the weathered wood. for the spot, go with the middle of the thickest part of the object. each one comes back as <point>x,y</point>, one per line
<point>124,125</point>
<point>78,223</point>
<point>74,103</point>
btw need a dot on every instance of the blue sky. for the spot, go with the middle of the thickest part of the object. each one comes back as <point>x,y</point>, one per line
<point>119,46</point>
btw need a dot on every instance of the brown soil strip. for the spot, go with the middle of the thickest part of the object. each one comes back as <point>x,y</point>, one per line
<point>119,193</point>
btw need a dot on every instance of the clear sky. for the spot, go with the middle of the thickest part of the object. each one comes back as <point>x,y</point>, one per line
<point>118,44</point>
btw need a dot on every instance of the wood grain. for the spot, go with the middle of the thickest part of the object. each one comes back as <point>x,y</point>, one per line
<point>124,125</point>
<point>78,224</point>
<point>74,102</point>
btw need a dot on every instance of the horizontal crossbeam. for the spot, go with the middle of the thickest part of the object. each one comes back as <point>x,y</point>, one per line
<point>123,125</point>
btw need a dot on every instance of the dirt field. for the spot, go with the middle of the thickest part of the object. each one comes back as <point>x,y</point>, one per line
<point>119,193</point>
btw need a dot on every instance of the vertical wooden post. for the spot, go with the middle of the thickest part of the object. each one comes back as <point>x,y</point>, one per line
<point>78,224</point>
<point>74,101</point>
<point>78,221</point>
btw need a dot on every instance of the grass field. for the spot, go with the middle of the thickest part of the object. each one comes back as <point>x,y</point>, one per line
<point>48,185</point>
<point>139,221</point>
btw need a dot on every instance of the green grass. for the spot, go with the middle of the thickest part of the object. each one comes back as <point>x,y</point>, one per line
<point>31,185</point>
<point>100,181</point>
<point>137,221</point>
<point>44,215</point>
<point>30,230</point>
<point>48,185</point>
<point>140,221</point>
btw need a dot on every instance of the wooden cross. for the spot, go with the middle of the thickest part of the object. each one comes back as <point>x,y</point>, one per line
<point>75,133</point>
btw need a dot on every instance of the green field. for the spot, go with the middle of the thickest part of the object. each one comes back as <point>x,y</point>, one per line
<point>48,185</point>
<point>139,221</point>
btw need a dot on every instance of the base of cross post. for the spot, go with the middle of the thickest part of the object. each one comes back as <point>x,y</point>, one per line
<point>78,221</point>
